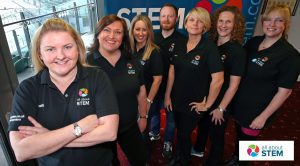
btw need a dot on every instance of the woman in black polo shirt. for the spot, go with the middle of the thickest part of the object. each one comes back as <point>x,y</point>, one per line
<point>146,51</point>
<point>195,80</point>
<point>273,67</point>
<point>228,28</point>
<point>110,52</point>
<point>66,112</point>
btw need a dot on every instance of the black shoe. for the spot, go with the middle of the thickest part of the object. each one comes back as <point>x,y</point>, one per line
<point>174,161</point>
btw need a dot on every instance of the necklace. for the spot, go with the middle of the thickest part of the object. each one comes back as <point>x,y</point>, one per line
<point>263,45</point>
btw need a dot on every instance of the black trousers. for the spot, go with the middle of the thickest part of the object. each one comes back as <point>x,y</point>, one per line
<point>216,133</point>
<point>132,144</point>
<point>240,136</point>
<point>185,124</point>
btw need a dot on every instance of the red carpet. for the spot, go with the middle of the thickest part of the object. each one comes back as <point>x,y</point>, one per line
<point>285,127</point>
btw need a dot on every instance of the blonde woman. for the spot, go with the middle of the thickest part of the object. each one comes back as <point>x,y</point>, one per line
<point>228,28</point>
<point>142,44</point>
<point>65,114</point>
<point>147,52</point>
<point>195,79</point>
<point>273,67</point>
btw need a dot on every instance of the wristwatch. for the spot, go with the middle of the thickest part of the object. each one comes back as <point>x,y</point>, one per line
<point>143,117</point>
<point>221,109</point>
<point>77,130</point>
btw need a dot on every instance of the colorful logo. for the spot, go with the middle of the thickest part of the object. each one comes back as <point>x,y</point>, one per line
<point>253,150</point>
<point>265,59</point>
<point>83,92</point>
<point>198,57</point>
<point>208,5</point>
<point>129,66</point>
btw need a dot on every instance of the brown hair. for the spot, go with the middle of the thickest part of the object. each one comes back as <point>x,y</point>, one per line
<point>172,6</point>
<point>285,12</point>
<point>238,31</point>
<point>105,21</point>
<point>55,24</point>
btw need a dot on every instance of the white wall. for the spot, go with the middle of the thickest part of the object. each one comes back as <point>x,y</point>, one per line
<point>293,34</point>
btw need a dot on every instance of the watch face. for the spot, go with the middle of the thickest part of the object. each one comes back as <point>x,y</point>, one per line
<point>77,131</point>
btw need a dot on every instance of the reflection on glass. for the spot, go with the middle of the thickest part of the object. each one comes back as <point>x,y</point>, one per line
<point>21,19</point>
<point>3,160</point>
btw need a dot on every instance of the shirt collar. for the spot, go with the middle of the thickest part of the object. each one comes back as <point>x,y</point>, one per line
<point>81,74</point>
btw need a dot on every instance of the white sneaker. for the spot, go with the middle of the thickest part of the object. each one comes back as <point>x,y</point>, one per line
<point>197,154</point>
<point>154,137</point>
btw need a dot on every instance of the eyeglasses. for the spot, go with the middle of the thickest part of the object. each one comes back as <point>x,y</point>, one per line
<point>275,20</point>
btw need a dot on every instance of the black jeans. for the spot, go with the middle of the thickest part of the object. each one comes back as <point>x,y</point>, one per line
<point>240,136</point>
<point>132,144</point>
<point>185,124</point>
<point>216,133</point>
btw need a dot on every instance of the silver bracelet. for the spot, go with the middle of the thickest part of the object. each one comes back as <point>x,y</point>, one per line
<point>221,109</point>
<point>149,101</point>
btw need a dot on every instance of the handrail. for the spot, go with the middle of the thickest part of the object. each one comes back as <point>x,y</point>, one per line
<point>32,18</point>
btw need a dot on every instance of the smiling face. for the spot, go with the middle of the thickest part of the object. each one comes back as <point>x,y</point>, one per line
<point>194,25</point>
<point>274,25</point>
<point>225,24</point>
<point>59,52</point>
<point>140,32</point>
<point>167,18</point>
<point>110,38</point>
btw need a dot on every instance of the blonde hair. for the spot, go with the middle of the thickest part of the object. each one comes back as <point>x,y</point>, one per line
<point>55,24</point>
<point>201,14</point>
<point>150,45</point>
<point>285,13</point>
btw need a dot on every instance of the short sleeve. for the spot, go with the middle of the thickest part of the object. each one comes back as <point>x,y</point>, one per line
<point>105,99</point>
<point>214,59</point>
<point>239,61</point>
<point>24,104</point>
<point>289,71</point>
<point>156,64</point>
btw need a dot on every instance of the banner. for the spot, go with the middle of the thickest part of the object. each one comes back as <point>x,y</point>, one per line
<point>127,9</point>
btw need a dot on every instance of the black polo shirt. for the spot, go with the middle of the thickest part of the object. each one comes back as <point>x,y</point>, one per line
<point>276,66</point>
<point>193,73</point>
<point>90,93</point>
<point>167,46</point>
<point>151,67</point>
<point>126,77</point>
<point>233,57</point>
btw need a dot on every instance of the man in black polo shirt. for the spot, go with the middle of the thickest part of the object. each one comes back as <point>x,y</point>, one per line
<point>166,39</point>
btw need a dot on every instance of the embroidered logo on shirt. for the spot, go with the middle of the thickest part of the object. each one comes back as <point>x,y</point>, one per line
<point>83,100</point>
<point>171,48</point>
<point>83,92</point>
<point>130,70</point>
<point>16,118</point>
<point>223,57</point>
<point>129,66</point>
<point>41,106</point>
<point>196,59</point>
<point>260,61</point>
